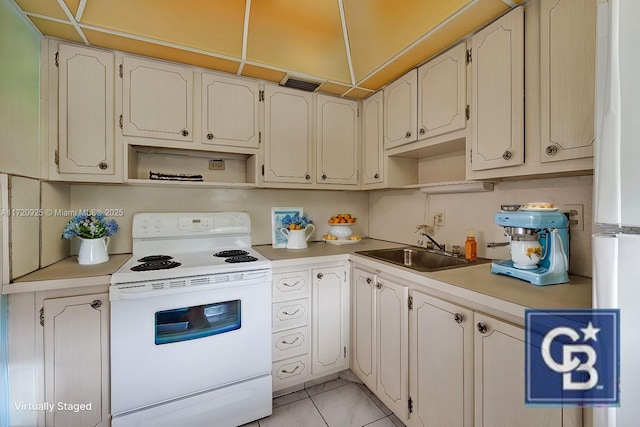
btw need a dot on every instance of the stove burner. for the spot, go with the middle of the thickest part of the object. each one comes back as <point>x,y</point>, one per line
<point>156,265</point>
<point>241,258</point>
<point>154,258</point>
<point>230,253</point>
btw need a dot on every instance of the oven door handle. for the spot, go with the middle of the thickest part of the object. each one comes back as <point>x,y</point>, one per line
<point>140,291</point>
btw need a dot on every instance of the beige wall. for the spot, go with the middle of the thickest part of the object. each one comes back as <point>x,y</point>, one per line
<point>20,94</point>
<point>318,205</point>
<point>394,214</point>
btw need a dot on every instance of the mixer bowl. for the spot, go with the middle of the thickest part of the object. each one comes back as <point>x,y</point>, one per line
<point>526,254</point>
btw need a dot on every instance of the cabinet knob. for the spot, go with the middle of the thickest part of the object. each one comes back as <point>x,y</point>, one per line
<point>209,136</point>
<point>324,176</point>
<point>96,304</point>
<point>368,280</point>
<point>507,155</point>
<point>408,134</point>
<point>307,177</point>
<point>185,132</point>
<point>103,165</point>
<point>378,285</point>
<point>551,150</point>
<point>482,328</point>
<point>319,275</point>
<point>459,318</point>
<point>376,176</point>
<point>422,131</point>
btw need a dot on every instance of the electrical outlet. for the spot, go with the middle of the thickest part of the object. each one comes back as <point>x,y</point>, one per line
<point>216,165</point>
<point>578,216</point>
<point>439,219</point>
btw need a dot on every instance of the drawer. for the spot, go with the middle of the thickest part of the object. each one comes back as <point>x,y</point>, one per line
<point>290,285</point>
<point>290,314</point>
<point>290,343</point>
<point>290,371</point>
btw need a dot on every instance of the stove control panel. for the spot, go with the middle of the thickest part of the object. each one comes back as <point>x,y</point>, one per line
<point>187,224</point>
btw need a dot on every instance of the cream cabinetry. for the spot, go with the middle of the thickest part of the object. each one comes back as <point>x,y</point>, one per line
<point>567,78</point>
<point>373,171</point>
<point>157,100</point>
<point>380,338</point>
<point>400,110</point>
<point>230,111</point>
<point>499,380</point>
<point>288,152</point>
<point>497,93</point>
<point>81,115</point>
<point>441,363</point>
<point>337,140</point>
<point>310,321</point>
<point>76,360</point>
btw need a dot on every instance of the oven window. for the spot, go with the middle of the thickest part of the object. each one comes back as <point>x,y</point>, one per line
<point>198,321</point>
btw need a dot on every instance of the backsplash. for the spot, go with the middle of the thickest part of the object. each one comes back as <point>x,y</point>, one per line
<point>394,214</point>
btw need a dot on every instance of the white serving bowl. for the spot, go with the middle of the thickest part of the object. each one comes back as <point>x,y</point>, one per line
<point>526,254</point>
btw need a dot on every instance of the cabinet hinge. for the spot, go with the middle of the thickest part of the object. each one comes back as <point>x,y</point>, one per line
<point>41,316</point>
<point>120,121</point>
<point>344,351</point>
<point>469,56</point>
<point>410,302</point>
<point>121,72</point>
<point>358,111</point>
<point>345,276</point>
<point>467,112</point>
<point>56,58</point>
<point>262,170</point>
<point>410,405</point>
<point>56,157</point>
<point>261,96</point>
<point>259,137</point>
<point>471,156</point>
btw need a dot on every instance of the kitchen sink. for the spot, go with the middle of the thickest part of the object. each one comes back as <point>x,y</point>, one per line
<point>420,259</point>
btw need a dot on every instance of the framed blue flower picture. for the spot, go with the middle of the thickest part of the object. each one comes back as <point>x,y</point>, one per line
<point>277,215</point>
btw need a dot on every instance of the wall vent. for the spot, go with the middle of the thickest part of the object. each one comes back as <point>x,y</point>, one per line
<point>297,83</point>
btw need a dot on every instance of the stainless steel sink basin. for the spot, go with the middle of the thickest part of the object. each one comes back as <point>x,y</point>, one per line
<point>420,259</point>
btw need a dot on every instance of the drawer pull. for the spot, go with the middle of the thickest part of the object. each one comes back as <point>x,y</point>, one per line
<point>291,314</point>
<point>284,371</point>
<point>290,286</point>
<point>289,343</point>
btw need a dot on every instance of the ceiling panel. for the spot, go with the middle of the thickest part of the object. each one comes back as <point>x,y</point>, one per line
<point>56,29</point>
<point>214,26</point>
<point>308,40</point>
<point>40,7</point>
<point>73,6</point>
<point>263,73</point>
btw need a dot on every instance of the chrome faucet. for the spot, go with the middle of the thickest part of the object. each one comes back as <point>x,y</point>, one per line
<point>438,245</point>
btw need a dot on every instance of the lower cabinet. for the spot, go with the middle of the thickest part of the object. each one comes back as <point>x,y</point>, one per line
<point>310,322</point>
<point>380,338</point>
<point>76,360</point>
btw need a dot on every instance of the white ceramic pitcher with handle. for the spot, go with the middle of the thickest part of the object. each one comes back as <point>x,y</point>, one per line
<point>93,251</point>
<point>297,239</point>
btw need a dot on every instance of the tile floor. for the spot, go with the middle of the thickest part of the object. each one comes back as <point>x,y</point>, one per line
<point>335,403</point>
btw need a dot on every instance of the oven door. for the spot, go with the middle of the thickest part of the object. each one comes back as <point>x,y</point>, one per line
<point>171,343</point>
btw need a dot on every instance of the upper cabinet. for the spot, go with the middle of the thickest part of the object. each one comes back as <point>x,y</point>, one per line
<point>497,94</point>
<point>230,111</point>
<point>81,115</point>
<point>567,79</point>
<point>288,135</point>
<point>157,100</point>
<point>442,99</point>
<point>337,140</point>
<point>372,140</point>
<point>400,111</point>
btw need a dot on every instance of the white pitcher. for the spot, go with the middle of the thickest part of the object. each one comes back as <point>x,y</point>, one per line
<point>93,251</point>
<point>297,239</point>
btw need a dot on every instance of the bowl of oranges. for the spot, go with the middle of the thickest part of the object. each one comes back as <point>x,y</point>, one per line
<point>340,226</point>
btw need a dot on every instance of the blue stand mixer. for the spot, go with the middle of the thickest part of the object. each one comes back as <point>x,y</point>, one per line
<point>539,243</point>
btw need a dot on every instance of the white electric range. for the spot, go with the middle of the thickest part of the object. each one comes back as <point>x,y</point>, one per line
<point>191,323</point>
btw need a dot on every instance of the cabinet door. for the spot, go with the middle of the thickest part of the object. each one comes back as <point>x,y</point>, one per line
<point>442,99</point>
<point>441,360</point>
<point>363,314</point>
<point>229,111</point>
<point>330,320</point>
<point>337,140</point>
<point>497,100</point>
<point>76,357</point>
<point>158,100</point>
<point>499,378</point>
<point>400,110</point>
<point>392,340</point>
<point>287,153</point>
<point>372,140</point>
<point>85,111</point>
<point>567,78</point>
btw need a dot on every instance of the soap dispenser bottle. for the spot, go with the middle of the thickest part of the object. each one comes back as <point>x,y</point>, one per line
<point>471,247</point>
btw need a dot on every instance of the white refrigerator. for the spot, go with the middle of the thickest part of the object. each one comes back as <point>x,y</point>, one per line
<point>616,239</point>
